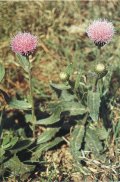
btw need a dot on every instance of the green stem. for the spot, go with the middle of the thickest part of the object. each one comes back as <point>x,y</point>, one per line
<point>98,55</point>
<point>32,100</point>
<point>97,61</point>
<point>95,86</point>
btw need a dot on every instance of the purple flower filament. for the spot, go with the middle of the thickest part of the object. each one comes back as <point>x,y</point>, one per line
<point>24,43</point>
<point>100,32</point>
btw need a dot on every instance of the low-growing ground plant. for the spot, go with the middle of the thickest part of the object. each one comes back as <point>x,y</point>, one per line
<point>81,116</point>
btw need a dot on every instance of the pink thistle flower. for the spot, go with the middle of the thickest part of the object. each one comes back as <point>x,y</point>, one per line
<point>100,32</point>
<point>24,43</point>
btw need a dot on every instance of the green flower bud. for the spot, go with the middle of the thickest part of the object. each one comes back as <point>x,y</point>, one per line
<point>101,71</point>
<point>100,68</point>
<point>63,76</point>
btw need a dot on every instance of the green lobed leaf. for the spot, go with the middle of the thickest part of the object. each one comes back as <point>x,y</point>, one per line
<point>6,140</point>
<point>21,145</point>
<point>18,168</point>
<point>2,152</point>
<point>102,133</point>
<point>2,72</point>
<point>19,104</point>
<point>23,62</point>
<point>93,143</point>
<point>13,141</point>
<point>93,102</point>
<point>47,135</point>
<point>73,108</point>
<point>55,117</point>
<point>76,140</point>
<point>60,86</point>
<point>28,117</point>
<point>75,147</point>
<point>44,147</point>
<point>9,143</point>
<point>66,96</point>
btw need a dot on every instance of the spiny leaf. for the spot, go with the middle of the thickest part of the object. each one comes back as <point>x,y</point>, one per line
<point>66,96</point>
<point>9,143</point>
<point>19,104</point>
<point>17,167</point>
<point>75,146</point>
<point>47,146</point>
<point>60,86</point>
<point>102,133</point>
<point>93,143</point>
<point>76,141</point>
<point>73,108</point>
<point>93,102</point>
<point>55,117</point>
<point>23,62</point>
<point>6,140</point>
<point>2,151</point>
<point>44,147</point>
<point>21,145</point>
<point>47,135</point>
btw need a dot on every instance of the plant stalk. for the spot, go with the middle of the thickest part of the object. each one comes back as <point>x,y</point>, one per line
<point>98,54</point>
<point>97,61</point>
<point>32,100</point>
<point>95,86</point>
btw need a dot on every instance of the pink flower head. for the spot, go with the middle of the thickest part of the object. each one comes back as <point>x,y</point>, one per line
<point>100,32</point>
<point>24,43</point>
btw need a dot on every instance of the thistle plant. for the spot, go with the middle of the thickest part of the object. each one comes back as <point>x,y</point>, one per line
<point>83,101</point>
<point>100,32</point>
<point>24,44</point>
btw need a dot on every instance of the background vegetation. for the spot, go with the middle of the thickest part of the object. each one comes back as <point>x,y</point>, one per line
<point>61,29</point>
